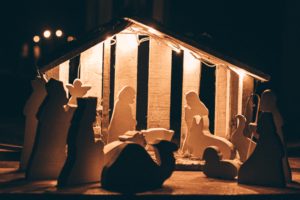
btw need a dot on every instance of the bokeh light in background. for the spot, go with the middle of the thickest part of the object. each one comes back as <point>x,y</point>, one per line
<point>36,38</point>
<point>59,33</point>
<point>47,33</point>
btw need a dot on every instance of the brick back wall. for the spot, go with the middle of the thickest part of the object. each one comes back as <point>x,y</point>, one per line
<point>159,85</point>
<point>91,71</point>
<point>126,64</point>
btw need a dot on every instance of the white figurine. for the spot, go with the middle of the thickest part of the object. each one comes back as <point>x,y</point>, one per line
<point>85,155</point>
<point>240,141</point>
<point>30,110</point>
<point>77,90</point>
<point>122,118</point>
<point>201,140</point>
<point>49,150</point>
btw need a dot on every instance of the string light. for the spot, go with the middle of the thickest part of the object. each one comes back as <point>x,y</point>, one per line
<point>140,29</point>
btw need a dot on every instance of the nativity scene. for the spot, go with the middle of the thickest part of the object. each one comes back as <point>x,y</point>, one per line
<point>150,120</point>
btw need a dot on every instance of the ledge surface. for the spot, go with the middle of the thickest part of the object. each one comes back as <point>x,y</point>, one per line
<point>181,185</point>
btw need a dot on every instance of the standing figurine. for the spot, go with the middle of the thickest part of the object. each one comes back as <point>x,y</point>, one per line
<point>265,165</point>
<point>122,118</point>
<point>30,110</point>
<point>49,149</point>
<point>85,156</point>
<point>269,104</point>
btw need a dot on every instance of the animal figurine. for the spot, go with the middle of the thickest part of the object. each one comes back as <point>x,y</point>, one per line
<point>85,155</point>
<point>122,119</point>
<point>131,169</point>
<point>77,89</point>
<point>194,107</point>
<point>153,134</point>
<point>30,110</point>
<point>133,136</point>
<point>240,141</point>
<point>204,139</point>
<point>264,167</point>
<point>49,150</point>
<point>269,104</point>
<point>215,167</point>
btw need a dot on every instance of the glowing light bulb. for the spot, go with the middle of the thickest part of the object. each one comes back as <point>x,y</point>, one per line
<point>129,43</point>
<point>36,38</point>
<point>241,73</point>
<point>58,33</point>
<point>47,34</point>
<point>151,30</point>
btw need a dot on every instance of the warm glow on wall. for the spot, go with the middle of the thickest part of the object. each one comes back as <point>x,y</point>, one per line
<point>153,31</point>
<point>131,42</point>
<point>47,34</point>
<point>36,38</point>
<point>191,80</point>
<point>64,74</point>
<point>191,64</point>
<point>240,72</point>
<point>91,71</point>
<point>126,63</point>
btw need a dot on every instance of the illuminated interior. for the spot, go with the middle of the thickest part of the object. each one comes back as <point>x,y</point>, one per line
<point>230,91</point>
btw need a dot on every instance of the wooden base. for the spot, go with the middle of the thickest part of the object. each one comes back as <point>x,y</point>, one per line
<point>181,184</point>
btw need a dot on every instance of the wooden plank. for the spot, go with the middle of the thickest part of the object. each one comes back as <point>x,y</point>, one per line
<point>248,87</point>
<point>191,80</point>
<point>222,101</point>
<point>126,64</point>
<point>159,85</point>
<point>91,71</point>
<point>234,101</point>
<point>106,87</point>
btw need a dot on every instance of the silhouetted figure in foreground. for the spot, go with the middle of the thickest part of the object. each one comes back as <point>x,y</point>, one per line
<point>85,155</point>
<point>132,169</point>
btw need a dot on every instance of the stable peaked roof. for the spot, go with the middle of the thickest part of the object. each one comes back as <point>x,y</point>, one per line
<point>199,50</point>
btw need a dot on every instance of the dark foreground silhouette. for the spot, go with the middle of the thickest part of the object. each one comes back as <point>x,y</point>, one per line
<point>132,169</point>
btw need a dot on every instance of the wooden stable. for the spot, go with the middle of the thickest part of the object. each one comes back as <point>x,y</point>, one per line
<point>161,67</point>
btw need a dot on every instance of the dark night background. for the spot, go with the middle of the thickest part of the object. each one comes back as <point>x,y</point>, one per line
<point>264,34</point>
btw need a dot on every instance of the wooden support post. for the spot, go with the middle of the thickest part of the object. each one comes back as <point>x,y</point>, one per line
<point>126,64</point>
<point>159,85</point>
<point>91,71</point>
<point>248,87</point>
<point>106,88</point>
<point>235,92</point>
<point>222,105</point>
<point>191,80</point>
<point>247,109</point>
